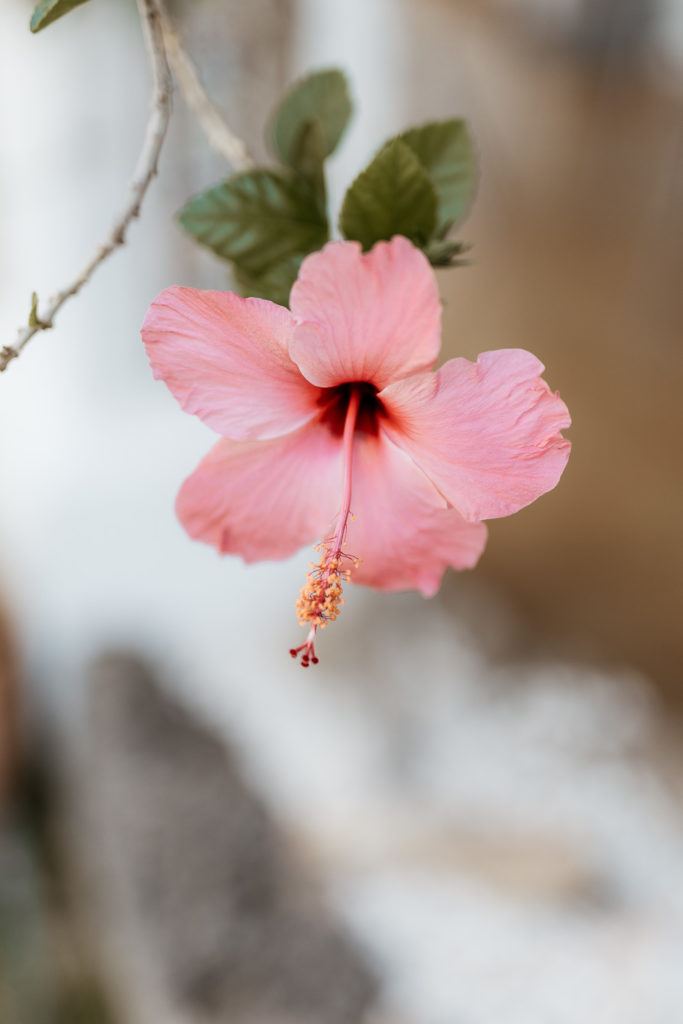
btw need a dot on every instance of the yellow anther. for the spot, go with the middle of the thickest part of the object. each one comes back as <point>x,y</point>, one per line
<point>320,598</point>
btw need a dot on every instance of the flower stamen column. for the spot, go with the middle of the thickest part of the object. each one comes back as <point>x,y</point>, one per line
<point>320,598</point>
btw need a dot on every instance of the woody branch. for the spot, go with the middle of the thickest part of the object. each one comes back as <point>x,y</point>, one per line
<point>219,134</point>
<point>42,319</point>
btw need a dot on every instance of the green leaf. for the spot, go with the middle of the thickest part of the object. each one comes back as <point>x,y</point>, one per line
<point>257,219</point>
<point>310,121</point>
<point>444,253</point>
<point>274,284</point>
<point>446,151</point>
<point>33,320</point>
<point>49,10</point>
<point>393,196</point>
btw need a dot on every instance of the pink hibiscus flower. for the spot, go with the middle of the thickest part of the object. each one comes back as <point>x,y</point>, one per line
<point>335,426</point>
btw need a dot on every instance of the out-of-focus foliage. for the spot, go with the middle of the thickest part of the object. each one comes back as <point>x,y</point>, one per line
<point>393,196</point>
<point>420,185</point>
<point>309,124</point>
<point>446,151</point>
<point>274,284</point>
<point>50,10</point>
<point>265,222</point>
<point>445,252</point>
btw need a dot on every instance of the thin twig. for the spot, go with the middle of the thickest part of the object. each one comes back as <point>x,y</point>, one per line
<point>219,134</point>
<point>147,165</point>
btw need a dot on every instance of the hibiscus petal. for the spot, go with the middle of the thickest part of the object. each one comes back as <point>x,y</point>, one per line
<point>404,535</point>
<point>226,360</point>
<point>372,317</point>
<point>264,499</point>
<point>486,433</point>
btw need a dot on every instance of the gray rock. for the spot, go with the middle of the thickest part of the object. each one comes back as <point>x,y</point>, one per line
<point>232,924</point>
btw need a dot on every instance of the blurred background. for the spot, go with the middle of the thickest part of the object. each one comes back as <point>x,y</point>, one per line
<point>470,812</point>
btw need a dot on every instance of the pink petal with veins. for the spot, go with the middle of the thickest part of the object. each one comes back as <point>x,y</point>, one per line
<point>486,433</point>
<point>403,535</point>
<point>226,360</point>
<point>372,317</point>
<point>264,499</point>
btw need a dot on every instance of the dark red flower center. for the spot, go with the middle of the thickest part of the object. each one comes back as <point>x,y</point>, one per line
<point>335,404</point>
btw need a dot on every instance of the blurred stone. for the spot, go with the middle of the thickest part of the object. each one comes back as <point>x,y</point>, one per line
<point>231,928</point>
<point>8,696</point>
<point>48,974</point>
